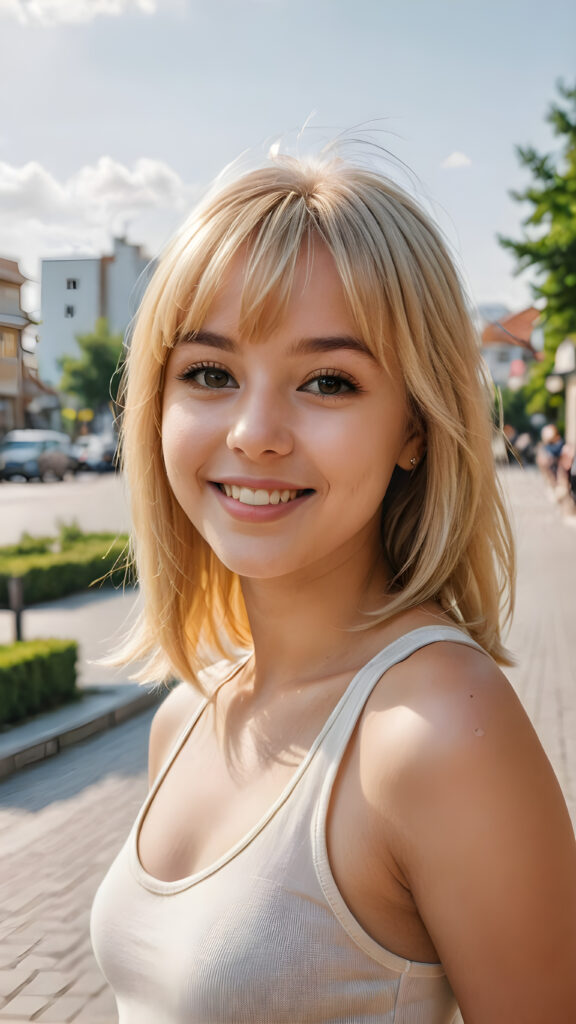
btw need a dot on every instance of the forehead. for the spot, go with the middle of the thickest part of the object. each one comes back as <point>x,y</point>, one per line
<point>311,296</point>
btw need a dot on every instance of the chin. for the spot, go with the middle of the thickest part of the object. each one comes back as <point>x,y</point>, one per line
<point>258,566</point>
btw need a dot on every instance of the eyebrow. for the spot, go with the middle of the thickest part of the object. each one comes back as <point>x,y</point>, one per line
<point>305,346</point>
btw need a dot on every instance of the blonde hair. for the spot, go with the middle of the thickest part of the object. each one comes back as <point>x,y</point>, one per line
<point>445,531</point>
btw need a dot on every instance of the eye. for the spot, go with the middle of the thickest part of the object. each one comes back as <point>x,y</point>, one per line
<point>210,376</point>
<point>331,384</point>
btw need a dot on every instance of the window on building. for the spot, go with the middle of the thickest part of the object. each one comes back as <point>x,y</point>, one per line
<point>72,283</point>
<point>69,311</point>
<point>8,345</point>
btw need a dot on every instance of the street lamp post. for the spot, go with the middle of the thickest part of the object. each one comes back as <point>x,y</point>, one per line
<point>16,602</point>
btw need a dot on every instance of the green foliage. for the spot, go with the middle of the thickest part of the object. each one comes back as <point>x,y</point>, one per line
<point>549,243</point>
<point>514,410</point>
<point>69,533</point>
<point>94,376</point>
<point>97,558</point>
<point>28,545</point>
<point>36,675</point>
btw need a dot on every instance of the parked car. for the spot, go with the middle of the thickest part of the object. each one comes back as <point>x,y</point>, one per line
<point>36,454</point>
<point>96,452</point>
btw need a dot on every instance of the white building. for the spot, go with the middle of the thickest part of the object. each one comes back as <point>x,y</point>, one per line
<point>76,292</point>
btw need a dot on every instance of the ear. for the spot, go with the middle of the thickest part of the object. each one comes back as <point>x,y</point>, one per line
<point>413,450</point>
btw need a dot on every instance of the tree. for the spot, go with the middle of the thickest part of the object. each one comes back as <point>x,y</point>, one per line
<point>549,243</point>
<point>93,377</point>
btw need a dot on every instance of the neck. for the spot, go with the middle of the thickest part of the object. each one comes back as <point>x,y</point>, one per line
<point>303,625</point>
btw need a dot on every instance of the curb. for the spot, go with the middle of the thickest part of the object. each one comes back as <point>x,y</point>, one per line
<point>53,731</point>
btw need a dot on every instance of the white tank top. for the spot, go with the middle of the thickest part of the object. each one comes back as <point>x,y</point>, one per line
<point>263,935</point>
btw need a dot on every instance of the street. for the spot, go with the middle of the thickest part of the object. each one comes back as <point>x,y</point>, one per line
<point>97,502</point>
<point>63,820</point>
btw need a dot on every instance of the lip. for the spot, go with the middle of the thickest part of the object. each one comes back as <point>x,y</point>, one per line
<point>259,513</point>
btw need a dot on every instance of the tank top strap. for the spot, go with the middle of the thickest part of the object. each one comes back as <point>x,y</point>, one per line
<point>350,707</point>
<point>222,672</point>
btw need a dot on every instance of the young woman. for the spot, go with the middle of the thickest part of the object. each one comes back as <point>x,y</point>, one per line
<point>350,817</point>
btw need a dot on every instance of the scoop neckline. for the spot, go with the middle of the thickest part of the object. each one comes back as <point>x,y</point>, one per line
<point>160,886</point>
<point>167,888</point>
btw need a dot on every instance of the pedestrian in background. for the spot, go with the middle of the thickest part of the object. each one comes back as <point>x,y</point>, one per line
<point>350,816</point>
<point>548,454</point>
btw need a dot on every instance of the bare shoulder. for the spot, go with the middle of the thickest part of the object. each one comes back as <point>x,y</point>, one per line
<point>175,710</point>
<point>444,698</point>
<point>477,824</point>
<point>453,725</point>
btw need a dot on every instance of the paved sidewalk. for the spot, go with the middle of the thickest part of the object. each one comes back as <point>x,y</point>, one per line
<point>63,820</point>
<point>96,620</point>
<point>543,634</point>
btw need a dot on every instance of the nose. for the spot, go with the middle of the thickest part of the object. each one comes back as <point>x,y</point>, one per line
<point>260,426</point>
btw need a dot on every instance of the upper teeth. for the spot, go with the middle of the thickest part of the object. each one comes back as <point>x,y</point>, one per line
<point>248,496</point>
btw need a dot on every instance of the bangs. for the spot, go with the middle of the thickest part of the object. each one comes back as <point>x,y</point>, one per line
<point>270,220</point>
<point>269,237</point>
<point>387,256</point>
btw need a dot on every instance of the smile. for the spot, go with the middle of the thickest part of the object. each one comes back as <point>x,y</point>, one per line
<point>259,496</point>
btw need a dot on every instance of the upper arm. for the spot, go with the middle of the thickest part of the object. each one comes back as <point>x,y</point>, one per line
<point>167,723</point>
<point>488,851</point>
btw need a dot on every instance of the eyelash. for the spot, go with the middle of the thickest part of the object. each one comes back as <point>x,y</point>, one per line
<point>189,374</point>
<point>352,386</point>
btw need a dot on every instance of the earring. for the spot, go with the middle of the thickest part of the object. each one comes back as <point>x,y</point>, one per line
<point>413,461</point>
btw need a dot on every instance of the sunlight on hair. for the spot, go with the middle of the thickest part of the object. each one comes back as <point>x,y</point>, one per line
<point>444,527</point>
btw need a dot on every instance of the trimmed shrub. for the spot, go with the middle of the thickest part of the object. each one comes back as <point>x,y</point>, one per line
<point>36,675</point>
<point>48,575</point>
<point>28,545</point>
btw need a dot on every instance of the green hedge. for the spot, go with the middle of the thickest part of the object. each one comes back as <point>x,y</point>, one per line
<point>48,575</point>
<point>36,675</point>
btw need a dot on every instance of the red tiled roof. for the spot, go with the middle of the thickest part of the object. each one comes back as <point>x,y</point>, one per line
<point>513,329</point>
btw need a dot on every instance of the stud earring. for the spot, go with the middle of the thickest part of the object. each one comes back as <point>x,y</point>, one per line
<point>413,461</point>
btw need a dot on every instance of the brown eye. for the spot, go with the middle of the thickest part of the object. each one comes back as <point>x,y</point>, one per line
<point>208,377</point>
<point>215,378</point>
<point>330,385</point>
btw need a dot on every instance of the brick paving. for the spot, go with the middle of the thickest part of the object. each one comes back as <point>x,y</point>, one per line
<point>61,824</point>
<point>63,820</point>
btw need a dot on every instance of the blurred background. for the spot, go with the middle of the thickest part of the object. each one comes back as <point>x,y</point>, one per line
<point>116,116</point>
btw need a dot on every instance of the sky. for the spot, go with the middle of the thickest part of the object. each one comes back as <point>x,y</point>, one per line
<point>118,113</point>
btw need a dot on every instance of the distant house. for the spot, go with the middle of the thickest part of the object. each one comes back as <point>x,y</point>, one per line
<point>24,400</point>
<point>13,320</point>
<point>510,343</point>
<point>77,291</point>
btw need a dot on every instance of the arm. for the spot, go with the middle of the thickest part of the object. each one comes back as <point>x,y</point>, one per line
<point>487,848</point>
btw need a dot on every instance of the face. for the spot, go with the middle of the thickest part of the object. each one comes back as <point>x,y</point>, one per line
<point>280,449</point>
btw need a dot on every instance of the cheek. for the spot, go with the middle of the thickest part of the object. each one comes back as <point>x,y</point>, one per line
<point>366,455</point>
<point>184,439</point>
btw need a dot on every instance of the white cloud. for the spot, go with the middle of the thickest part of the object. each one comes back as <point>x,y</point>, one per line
<point>41,216</point>
<point>456,159</point>
<point>57,12</point>
<point>94,194</point>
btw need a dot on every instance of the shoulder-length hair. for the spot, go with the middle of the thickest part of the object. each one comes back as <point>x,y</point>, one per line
<point>445,530</point>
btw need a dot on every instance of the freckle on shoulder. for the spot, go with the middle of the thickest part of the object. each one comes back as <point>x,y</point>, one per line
<point>449,694</point>
<point>447,668</point>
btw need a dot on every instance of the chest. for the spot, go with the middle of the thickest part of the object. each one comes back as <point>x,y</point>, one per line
<point>216,795</point>
<point>243,949</point>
